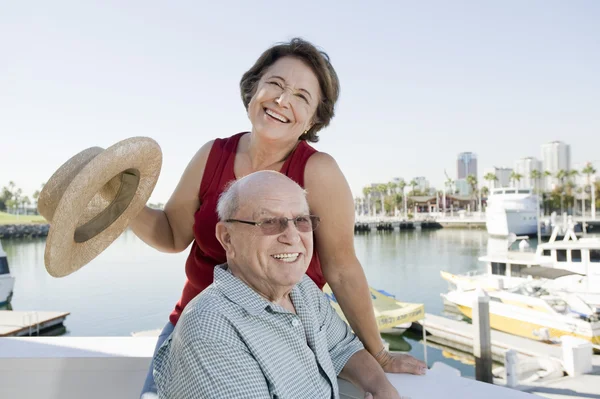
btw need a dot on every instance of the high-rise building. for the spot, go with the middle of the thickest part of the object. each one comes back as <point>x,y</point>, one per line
<point>524,167</point>
<point>556,156</point>
<point>466,165</point>
<point>502,177</point>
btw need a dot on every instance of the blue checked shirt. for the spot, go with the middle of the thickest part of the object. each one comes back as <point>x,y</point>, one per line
<point>232,343</point>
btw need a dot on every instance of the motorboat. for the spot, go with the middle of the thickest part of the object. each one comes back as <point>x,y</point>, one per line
<point>7,281</point>
<point>533,312</point>
<point>511,210</point>
<point>570,265</point>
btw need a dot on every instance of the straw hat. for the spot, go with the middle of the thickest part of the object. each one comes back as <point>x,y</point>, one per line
<point>90,200</point>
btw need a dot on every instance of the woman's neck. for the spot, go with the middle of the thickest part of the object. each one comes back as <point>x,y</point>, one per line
<point>264,153</point>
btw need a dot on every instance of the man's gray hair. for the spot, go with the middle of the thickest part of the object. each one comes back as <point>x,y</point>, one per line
<point>229,200</point>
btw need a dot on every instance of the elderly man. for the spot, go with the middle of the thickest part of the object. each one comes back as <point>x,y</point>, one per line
<point>263,329</point>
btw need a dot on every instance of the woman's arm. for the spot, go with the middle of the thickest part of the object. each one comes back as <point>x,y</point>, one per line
<point>171,229</point>
<point>329,197</point>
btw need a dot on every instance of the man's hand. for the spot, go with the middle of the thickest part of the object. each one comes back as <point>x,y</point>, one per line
<point>401,363</point>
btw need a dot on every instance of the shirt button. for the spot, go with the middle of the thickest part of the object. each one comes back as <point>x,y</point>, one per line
<point>295,322</point>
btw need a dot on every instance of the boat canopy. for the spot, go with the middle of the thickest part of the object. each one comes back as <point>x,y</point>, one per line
<point>545,272</point>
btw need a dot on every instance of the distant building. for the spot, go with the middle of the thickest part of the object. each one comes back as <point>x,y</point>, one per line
<point>466,164</point>
<point>524,167</point>
<point>502,175</point>
<point>422,184</point>
<point>463,187</point>
<point>555,156</point>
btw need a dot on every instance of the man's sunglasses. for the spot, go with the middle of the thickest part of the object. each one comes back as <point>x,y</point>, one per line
<point>272,226</point>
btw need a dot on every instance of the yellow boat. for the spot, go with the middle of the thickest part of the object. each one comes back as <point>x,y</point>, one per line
<point>536,315</point>
<point>389,312</point>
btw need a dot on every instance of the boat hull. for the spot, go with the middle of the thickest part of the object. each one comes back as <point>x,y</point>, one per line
<point>529,329</point>
<point>7,283</point>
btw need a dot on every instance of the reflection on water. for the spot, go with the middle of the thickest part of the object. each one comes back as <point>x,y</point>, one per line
<point>132,287</point>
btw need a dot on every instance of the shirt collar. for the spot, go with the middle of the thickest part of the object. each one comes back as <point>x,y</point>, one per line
<point>238,292</point>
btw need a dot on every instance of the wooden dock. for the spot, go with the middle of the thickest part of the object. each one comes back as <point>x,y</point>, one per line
<point>34,323</point>
<point>459,334</point>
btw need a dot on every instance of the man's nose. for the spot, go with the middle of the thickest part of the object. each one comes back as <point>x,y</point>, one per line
<point>291,234</point>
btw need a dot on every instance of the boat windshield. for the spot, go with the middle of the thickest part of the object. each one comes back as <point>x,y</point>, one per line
<point>558,305</point>
<point>4,266</point>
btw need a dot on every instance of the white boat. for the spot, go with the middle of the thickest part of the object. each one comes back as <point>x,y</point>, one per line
<point>534,313</point>
<point>571,265</point>
<point>7,281</point>
<point>511,210</point>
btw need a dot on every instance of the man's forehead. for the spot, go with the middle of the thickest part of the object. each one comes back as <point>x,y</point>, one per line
<point>275,206</point>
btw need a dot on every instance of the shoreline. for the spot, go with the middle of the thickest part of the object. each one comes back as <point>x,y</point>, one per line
<point>25,230</point>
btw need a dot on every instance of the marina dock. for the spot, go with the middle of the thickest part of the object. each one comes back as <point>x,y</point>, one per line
<point>35,323</point>
<point>459,335</point>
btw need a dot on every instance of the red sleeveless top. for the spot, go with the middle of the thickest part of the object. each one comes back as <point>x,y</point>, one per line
<point>207,252</point>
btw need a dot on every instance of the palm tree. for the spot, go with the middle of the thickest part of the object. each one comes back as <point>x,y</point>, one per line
<point>590,171</point>
<point>535,175</point>
<point>561,175</point>
<point>367,193</point>
<point>401,185</point>
<point>515,178</point>
<point>472,181</point>
<point>392,187</point>
<point>485,190</point>
<point>492,178</point>
<point>450,185</point>
<point>413,183</point>
<point>357,205</point>
<point>382,189</point>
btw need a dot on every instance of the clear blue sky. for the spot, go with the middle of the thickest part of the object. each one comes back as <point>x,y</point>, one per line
<point>421,81</point>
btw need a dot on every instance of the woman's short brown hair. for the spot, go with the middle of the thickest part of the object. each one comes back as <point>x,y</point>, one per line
<point>317,60</point>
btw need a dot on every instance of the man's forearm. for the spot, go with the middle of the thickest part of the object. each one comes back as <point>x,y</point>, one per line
<point>364,372</point>
<point>353,295</point>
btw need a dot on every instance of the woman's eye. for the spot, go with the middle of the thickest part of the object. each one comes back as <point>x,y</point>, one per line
<point>276,84</point>
<point>302,97</point>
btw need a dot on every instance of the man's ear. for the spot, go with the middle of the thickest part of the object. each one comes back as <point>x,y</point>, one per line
<point>224,237</point>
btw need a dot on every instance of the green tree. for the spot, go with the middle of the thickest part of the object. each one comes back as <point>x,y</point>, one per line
<point>491,178</point>
<point>367,191</point>
<point>472,182</point>
<point>485,191</point>
<point>413,184</point>
<point>401,186</point>
<point>382,189</point>
<point>535,175</point>
<point>515,178</point>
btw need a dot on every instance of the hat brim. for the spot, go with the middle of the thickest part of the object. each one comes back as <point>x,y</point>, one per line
<point>64,255</point>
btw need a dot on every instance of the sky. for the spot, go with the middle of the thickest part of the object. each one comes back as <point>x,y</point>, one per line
<point>420,81</point>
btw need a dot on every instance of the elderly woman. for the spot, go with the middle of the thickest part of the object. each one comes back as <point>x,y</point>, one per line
<point>289,94</point>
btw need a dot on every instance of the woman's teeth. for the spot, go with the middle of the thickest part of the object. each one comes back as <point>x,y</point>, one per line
<point>275,115</point>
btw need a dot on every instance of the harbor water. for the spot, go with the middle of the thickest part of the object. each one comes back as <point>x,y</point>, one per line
<point>132,287</point>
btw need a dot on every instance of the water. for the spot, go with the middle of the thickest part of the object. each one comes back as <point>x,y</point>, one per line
<point>132,287</point>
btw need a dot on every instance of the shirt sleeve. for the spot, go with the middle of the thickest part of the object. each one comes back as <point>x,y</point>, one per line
<point>207,369</point>
<point>341,341</point>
